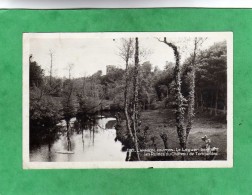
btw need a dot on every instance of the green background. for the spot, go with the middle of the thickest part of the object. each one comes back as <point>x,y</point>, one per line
<point>15,180</point>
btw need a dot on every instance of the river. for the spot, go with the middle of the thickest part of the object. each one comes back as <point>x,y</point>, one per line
<point>97,144</point>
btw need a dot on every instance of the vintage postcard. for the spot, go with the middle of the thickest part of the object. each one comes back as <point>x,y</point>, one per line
<point>127,100</point>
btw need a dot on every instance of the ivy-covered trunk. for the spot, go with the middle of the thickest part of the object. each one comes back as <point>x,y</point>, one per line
<point>179,97</point>
<point>135,100</point>
<point>191,98</point>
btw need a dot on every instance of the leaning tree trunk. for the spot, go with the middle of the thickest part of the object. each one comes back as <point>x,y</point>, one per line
<point>179,97</point>
<point>135,100</point>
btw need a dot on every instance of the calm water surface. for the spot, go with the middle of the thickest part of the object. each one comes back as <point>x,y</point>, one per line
<point>97,144</point>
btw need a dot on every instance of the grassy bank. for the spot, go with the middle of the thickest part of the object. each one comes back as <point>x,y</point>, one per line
<point>163,121</point>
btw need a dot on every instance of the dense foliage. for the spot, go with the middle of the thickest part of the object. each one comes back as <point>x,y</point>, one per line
<point>61,98</point>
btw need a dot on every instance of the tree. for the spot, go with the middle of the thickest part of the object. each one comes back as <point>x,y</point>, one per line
<point>180,100</point>
<point>191,99</point>
<point>36,73</point>
<point>126,53</point>
<point>182,131</point>
<point>136,113</point>
<point>68,104</point>
<point>51,66</point>
<point>163,81</point>
<point>45,114</point>
<point>127,50</point>
<point>69,68</point>
<point>146,91</point>
<point>212,76</point>
<point>45,110</point>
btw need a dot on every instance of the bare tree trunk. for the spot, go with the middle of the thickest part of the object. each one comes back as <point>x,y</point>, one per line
<point>68,136</point>
<point>135,101</point>
<point>126,100</point>
<point>51,55</point>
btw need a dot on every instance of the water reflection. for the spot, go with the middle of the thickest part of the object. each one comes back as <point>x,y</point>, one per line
<point>97,143</point>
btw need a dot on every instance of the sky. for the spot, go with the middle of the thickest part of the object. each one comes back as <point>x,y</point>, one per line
<point>90,54</point>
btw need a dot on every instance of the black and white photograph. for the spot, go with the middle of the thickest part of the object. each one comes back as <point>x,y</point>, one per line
<point>127,100</point>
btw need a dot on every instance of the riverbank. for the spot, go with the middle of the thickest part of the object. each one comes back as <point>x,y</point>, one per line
<point>155,123</point>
